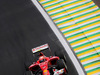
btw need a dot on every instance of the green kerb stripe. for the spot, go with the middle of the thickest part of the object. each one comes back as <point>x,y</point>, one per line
<point>91,63</point>
<point>81,45</point>
<point>78,5</point>
<point>88,18</point>
<point>64,21</point>
<point>61,17</point>
<point>85,43</point>
<point>93,70</point>
<point>72,8</point>
<point>87,50</point>
<point>90,23</point>
<point>74,35</point>
<point>97,46</point>
<point>47,2</point>
<point>60,6</point>
<point>68,14</point>
<point>85,37</point>
<point>78,16</point>
<point>78,40</point>
<point>63,11</point>
<point>82,25</point>
<point>70,30</point>
<point>93,34</point>
<point>82,9</point>
<point>86,13</point>
<point>95,40</point>
<point>78,34</point>
<point>79,28</point>
<point>84,50</point>
<point>50,5</point>
<point>88,56</point>
<point>91,29</point>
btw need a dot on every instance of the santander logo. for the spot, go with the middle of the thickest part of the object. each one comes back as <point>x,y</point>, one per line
<point>39,48</point>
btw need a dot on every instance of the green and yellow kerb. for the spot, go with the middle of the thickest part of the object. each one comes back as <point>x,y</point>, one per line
<point>79,22</point>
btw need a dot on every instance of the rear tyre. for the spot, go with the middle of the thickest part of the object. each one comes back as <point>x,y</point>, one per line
<point>59,54</point>
<point>61,64</point>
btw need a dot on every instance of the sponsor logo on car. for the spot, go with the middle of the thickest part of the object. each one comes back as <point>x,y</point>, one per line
<point>39,48</point>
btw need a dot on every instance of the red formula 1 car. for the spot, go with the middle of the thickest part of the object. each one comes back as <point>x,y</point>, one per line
<point>48,66</point>
<point>51,65</point>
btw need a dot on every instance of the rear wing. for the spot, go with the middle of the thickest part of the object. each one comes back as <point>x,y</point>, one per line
<point>45,49</point>
<point>40,48</point>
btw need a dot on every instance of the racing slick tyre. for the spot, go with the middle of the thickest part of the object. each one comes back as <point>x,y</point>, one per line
<point>38,72</point>
<point>61,64</point>
<point>59,54</point>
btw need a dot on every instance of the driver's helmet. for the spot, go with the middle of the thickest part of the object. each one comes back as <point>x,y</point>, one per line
<point>41,59</point>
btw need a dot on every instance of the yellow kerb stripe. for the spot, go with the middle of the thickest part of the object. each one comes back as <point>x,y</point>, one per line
<point>92,65</point>
<point>52,6</point>
<point>82,47</point>
<point>57,4</point>
<point>68,27</point>
<point>71,31</point>
<point>65,22</point>
<point>74,3</point>
<point>82,7</point>
<point>49,2</point>
<point>95,36</point>
<point>93,24</point>
<point>65,16</point>
<point>87,52</point>
<point>41,0</point>
<point>93,72</point>
<point>98,48</point>
<point>55,10</point>
<point>80,41</point>
<point>96,42</point>
<point>93,30</point>
<point>62,2</point>
<point>63,6</point>
<point>85,15</point>
<point>75,36</point>
<point>62,13</point>
<point>93,57</point>
<point>89,20</point>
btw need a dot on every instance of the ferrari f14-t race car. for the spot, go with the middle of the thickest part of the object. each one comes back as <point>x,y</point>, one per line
<point>51,65</point>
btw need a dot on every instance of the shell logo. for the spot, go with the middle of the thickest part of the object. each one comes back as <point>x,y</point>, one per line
<point>45,72</point>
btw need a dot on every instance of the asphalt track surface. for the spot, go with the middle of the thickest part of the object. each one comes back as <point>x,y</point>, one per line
<point>22,28</point>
